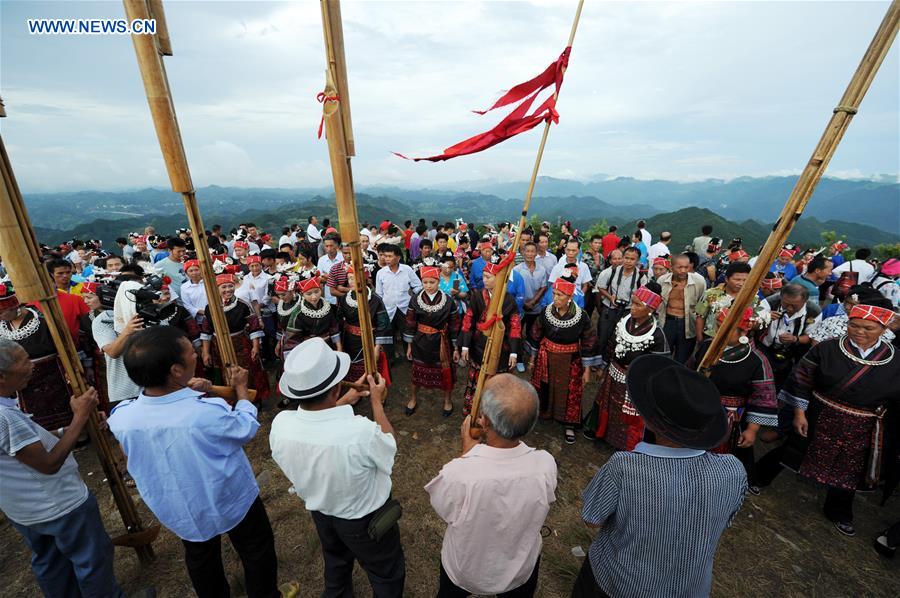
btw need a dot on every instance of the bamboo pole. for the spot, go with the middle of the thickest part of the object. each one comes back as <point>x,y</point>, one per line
<point>339,135</point>
<point>22,258</point>
<point>493,346</point>
<point>162,109</point>
<point>809,178</point>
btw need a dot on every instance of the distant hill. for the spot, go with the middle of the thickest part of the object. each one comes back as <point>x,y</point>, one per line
<point>684,224</point>
<point>870,202</point>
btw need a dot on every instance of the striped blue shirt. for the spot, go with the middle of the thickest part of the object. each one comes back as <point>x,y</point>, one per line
<point>662,511</point>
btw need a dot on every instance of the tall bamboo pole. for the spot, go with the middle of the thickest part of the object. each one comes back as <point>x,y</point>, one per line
<point>149,50</point>
<point>339,134</point>
<point>22,258</point>
<point>809,178</point>
<point>494,344</point>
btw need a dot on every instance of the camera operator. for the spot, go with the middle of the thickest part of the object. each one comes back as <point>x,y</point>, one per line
<point>615,285</point>
<point>112,342</point>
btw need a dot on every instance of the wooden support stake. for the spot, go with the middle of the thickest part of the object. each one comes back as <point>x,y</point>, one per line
<point>494,344</point>
<point>809,178</point>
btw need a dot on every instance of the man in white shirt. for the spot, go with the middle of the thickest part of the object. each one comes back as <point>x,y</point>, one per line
<point>859,264</point>
<point>571,257</point>
<point>340,465</point>
<point>332,243</point>
<point>660,248</point>
<point>394,283</point>
<point>544,257</point>
<point>312,231</point>
<point>646,237</point>
<point>44,497</point>
<point>495,498</point>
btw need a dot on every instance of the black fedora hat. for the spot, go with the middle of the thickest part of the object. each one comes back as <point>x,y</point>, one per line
<point>680,404</point>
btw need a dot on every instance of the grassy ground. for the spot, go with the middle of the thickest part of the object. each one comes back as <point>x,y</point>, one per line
<point>779,544</point>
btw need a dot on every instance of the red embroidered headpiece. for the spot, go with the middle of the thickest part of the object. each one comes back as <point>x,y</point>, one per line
<point>241,244</point>
<point>253,259</point>
<point>661,261</point>
<point>431,272</point>
<point>309,284</point>
<point>89,287</point>
<point>648,298</point>
<point>737,255</point>
<point>882,315</point>
<point>191,264</point>
<point>8,299</point>
<point>565,287</point>
<point>225,279</point>
<point>772,284</point>
<point>283,285</point>
<point>785,253</point>
<point>746,322</point>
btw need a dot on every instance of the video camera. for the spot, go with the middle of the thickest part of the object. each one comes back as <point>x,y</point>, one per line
<point>145,302</point>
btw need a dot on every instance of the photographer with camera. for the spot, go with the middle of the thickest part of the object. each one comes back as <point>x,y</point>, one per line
<point>111,342</point>
<point>615,286</point>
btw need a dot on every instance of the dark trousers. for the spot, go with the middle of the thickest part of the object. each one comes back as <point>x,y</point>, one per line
<point>397,325</point>
<point>893,535</point>
<point>838,503</point>
<point>679,344</point>
<point>267,345</point>
<point>447,589</point>
<point>606,326</point>
<point>346,540</point>
<point>253,540</point>
<point>585,584</point>
<point>72,555</point>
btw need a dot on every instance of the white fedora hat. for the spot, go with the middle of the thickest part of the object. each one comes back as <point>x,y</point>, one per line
<point>312,368</point>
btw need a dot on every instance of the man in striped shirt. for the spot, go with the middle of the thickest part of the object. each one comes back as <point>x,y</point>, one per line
<point>662,507</point>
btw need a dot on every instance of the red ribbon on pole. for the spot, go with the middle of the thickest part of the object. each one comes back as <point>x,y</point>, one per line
<point>322,98</point>
<point>510,257</point>
<point>518,121</point>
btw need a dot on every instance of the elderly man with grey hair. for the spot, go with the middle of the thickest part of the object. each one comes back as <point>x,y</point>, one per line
<point>495,498</point>
<point>44,497</point>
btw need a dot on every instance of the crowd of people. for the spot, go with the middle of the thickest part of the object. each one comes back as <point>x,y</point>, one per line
<point>810,368</point>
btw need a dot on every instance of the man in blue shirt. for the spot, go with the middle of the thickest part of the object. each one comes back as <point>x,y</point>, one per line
<point>185,453</point>
<point>476,282</point>
<point>817,272</point>
<point>783,266</point>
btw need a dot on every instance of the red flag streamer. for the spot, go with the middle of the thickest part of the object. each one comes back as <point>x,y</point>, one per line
<point>322,98</point>
<point>518,121</point>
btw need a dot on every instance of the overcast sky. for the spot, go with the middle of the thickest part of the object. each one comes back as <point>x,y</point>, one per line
<point>677,90</point>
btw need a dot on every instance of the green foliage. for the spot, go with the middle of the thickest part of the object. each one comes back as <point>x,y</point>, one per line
<point>886,251</point>
<point>601,227</point>
<point>830,237</point>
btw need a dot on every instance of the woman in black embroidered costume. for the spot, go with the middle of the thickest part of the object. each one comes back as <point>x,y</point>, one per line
<point>636,334</point>
<point>245,331</point>
<point>564,349</point>
<point>747,385</point>
<point>47,395</point>
<point>432,324</point>
<point>472,339</point>
<point>351,335</point>
<point>840,392</point>
<point>313,316</point>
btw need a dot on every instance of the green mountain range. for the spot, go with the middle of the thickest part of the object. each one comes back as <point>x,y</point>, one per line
<point>684,223</point>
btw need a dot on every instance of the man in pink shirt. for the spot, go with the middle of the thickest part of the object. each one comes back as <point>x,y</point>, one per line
<point>495,498</point>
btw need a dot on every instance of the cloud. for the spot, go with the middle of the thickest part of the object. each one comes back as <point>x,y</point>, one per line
<point>682,90</point>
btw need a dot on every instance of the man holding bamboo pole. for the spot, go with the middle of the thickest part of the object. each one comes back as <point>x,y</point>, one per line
<point>44,497</point>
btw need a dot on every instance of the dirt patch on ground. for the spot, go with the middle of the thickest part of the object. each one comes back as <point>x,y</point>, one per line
<point>779,545</point>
